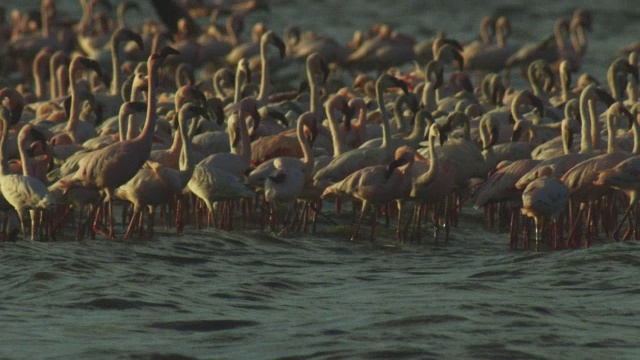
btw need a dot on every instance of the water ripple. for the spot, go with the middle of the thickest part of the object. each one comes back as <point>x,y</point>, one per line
<point>203,325</point>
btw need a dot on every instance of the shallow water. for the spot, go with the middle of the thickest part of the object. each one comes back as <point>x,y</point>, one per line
<point>250,294</point>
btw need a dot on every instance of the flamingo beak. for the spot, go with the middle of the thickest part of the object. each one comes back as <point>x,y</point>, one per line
<point>517,132</point>
<point>279,44</point>
<point>91,64</point>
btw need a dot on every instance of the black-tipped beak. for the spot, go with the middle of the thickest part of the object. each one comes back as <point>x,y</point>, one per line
<point>626,114</point>
<point>277,177</point>
<point>457,57</point>
<point>91,64</point>
<point>325,70</point>
<point>215,105</point>
<point>517,132</point>
<point>166,51</point>
<point>135,106</point>
<point>278,116</point>
<point>605,97</point>
<point>279,44</point>
<point>400,83</point>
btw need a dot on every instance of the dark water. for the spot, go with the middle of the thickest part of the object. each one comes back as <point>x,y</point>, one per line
<point>249,294</point>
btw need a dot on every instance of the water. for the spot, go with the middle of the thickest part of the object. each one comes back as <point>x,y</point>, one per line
<point>250,294</point>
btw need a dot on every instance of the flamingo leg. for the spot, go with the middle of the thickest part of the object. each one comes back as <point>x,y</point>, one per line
<point>627,214</point>
<point>363,211</point>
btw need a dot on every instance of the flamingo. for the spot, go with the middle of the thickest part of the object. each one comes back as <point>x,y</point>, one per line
<point>386,49</point>
<point>490,57</point>
<point>581,178</point>
<point>350,161</point>
<point>376,185</point>
<point>76,131</point>
<point>285,185</point>
<point>158,184</point>
<point>562,163</point>
<point>23,192</point>
<point>236,162</point>
<point>544,198</point>
<point>114,165</point>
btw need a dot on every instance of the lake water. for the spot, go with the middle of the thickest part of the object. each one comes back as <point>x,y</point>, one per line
<point>251,294</point>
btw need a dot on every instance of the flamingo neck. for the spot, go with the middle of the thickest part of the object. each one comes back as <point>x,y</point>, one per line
<point>611,134</point>
<point>4,166</point>
<point>24,159</point>
<point>264,77</point>
<point>419,127</point>
<point>313,94</point>
<point>63,82</point>
<point>116,82</point>
<point>566,136</point>
<point>565,84</point>
<point>397,113</point>
<point>44,16</point>
<point>559,36</point>
<point>146,135</point>
<point>336,135</point>
<point>38,77</point>
<point>386,133</point>
<point>186,168</point>
<point>306,149</point>
<point>586,147</point>
<point>74,113</point>
<point>434,162</point>
<point>595,125</point>
<point>429,97</point>
<point>636,135</point>
<point>245,150</point>
<point>241,77</point>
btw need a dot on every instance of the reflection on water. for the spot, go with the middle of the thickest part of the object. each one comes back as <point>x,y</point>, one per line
<point>212,294</point>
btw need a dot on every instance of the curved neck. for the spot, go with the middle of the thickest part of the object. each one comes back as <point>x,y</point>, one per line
<point>150,123</point>
<point>636,135</point>
<point>74,113</point>
<point>306,149</point>
<point>434,163</point>
<point>63,77</point>
<point>419,127</point>
<point>186,168</point>
<point>595,125</point>
<point>533,81</point>
<point>264,77</point>
<point>116,82</point>
<point>500,36</point>
<point>241,78</point>
<point>45,20</point>
<point>386,133</point>
<point>245,150</point>
<point>559,36</point>
<point>38,76</point>
<point>397,112</point>
<point>313,94</point>
<point>336,135</point>
<point>586,147</point>
<point>565,83</point>
<point>566,136</point>
<point>429,97</point>
<point>4,167</point>
<point>611,134</point>
<point>24,159</point>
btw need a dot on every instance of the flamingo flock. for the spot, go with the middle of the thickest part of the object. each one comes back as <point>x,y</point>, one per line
<point>195,123</point>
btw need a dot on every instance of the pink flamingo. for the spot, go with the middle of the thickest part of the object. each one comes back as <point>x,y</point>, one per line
<point>350,161</point>
<point>114,165</point>
<point>376,185</point>
<point>23,192</point>
<point>158,184</point>
<point>544,198</point>
<point>285,185</point>
<point>581,178</point>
